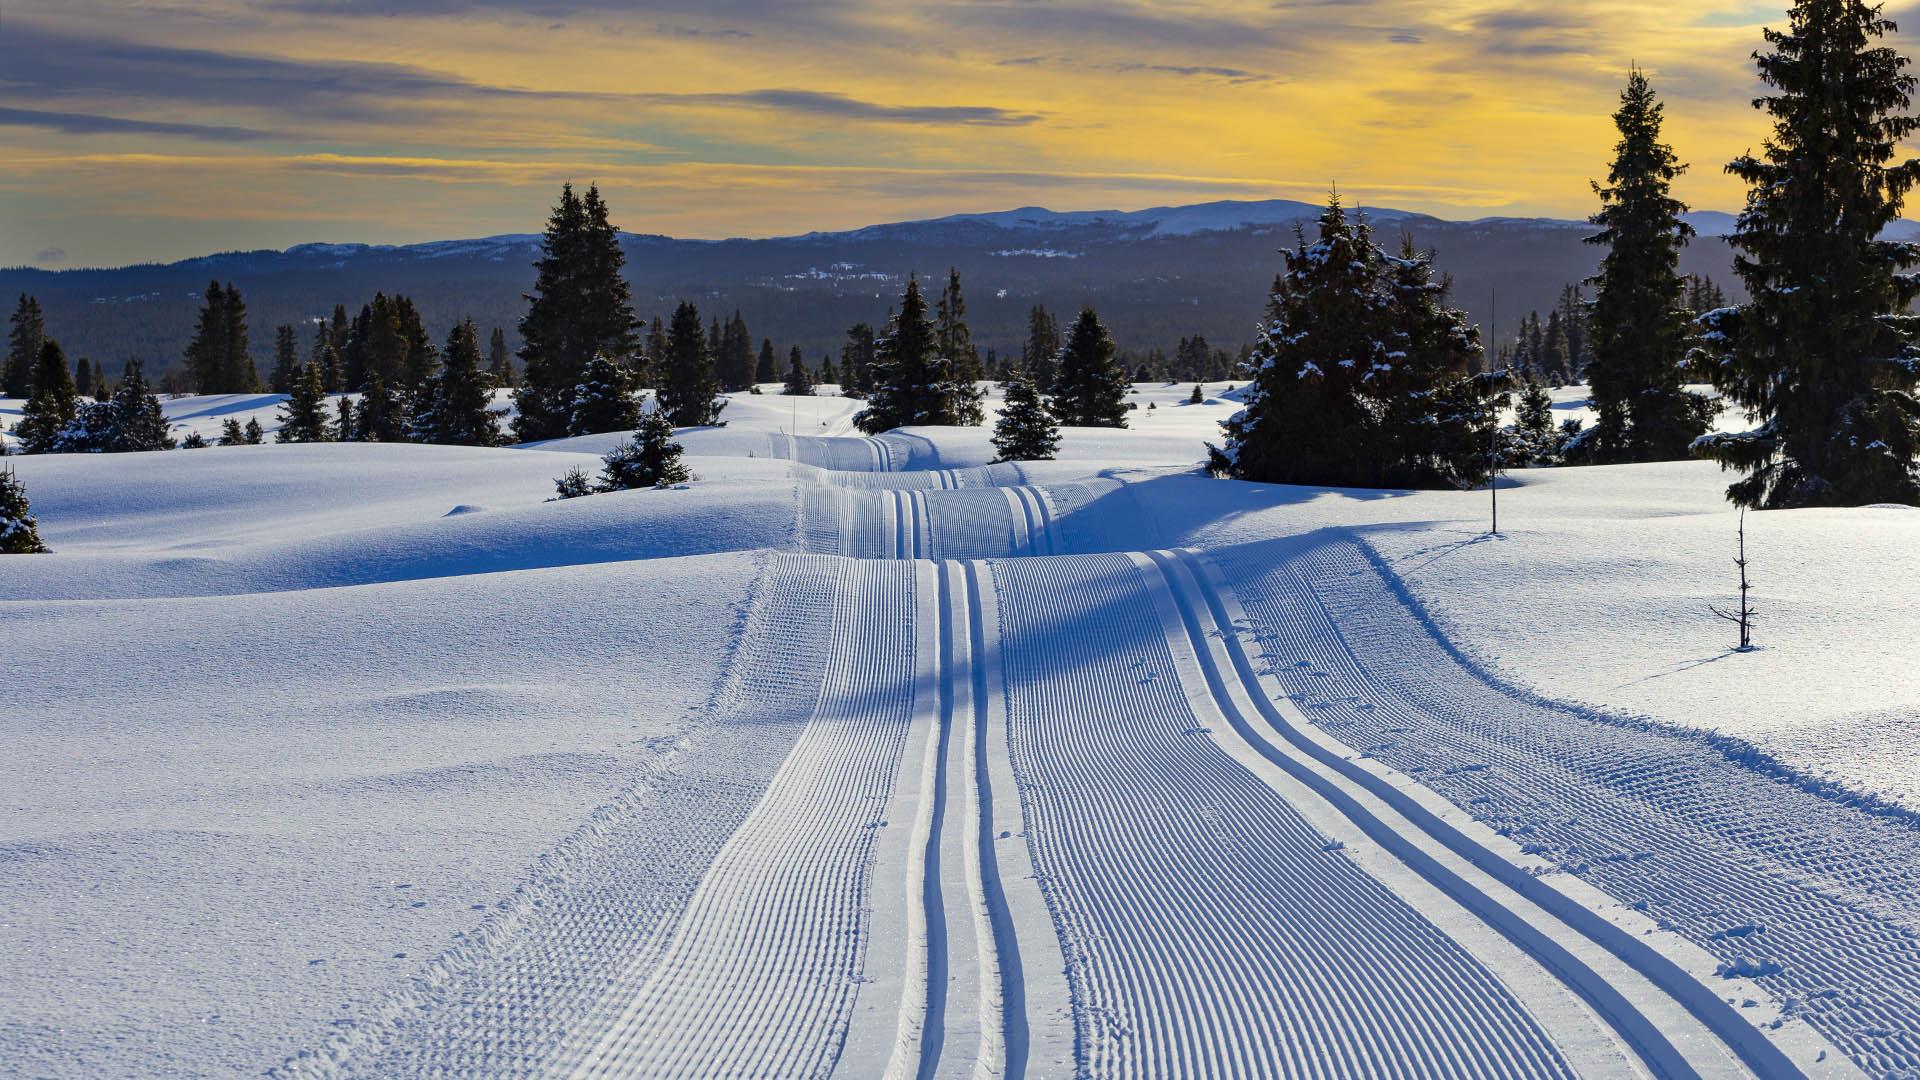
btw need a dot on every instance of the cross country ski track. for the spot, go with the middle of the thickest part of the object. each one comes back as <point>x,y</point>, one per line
<point>970,805</point>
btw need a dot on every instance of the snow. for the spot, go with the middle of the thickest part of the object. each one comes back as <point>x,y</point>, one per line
<point>869,755</point>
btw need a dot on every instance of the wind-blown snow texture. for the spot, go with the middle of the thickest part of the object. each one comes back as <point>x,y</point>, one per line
<point>866,756</point>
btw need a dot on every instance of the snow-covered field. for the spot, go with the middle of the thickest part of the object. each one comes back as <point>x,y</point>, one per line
<point>867,756</point>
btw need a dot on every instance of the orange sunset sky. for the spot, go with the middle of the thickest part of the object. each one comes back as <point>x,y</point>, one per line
<point>158,129</point>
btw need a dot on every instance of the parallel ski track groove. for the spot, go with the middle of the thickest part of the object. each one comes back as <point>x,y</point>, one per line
<point>1756,872</point>
<point>763,968</point>
<point>1207,928</point>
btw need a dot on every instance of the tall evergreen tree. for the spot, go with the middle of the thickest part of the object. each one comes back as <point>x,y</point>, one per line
<point>656,349</point>
<point>765,370</point>
<point>1641,330</point>
<point>856,360</point>
<point>303,416</point>
<point>1434,416</point>
<point>799,379</point>
<point>499,359</point>
<point>1040,356</point>
<point>324,355</point>
<point>27,331</point>
<point>53,404</point>
<point>581,306</point>
<point>19,530</point>
<point>735,359</point>
<point>1026,429</point>
<point>912,384</point>
<point>956,345</point>
<point>457,407</point>
<point>332,372</point>
<point>1090,387</point>
<point>219,360</point>
<point>1823,353</point>
<point>689,391</point>
<point>286,359</point>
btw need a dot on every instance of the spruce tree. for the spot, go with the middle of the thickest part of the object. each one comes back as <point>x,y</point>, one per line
<point>1639,325</point>
<point>689,391</point>
<point>381,414</point>
<point>343,420</point>
<point>912,384</point>
<point>27,331</point>
<point>656,351</point>
<point>955,345</point>
<point>218,358</point>
<point>1026,429</point>
<point>303,416</point>
<point>1433,416</point>
<point>19,530</point>
<point>581,306</point>
<point>1090,387</point>
<point>765,369</point>
<point>139,424</point>
<point>231,434</point>
<point>286,359</point>
<point>83,376</point>
<point>457,408</point>
<point>1041,353</point>
<point>1358,356</point>
<point>499,360</point>
<point>799,379</point>
<point>652,459</point>
<point>829,375</point>
<point>53,404</point>
<point>1823,353</point>
<point>1199,395</point>
<point>605,400</point>
<point>254,432</point>
<point>856,360</point>
<point>1533,441</point>
<point>734,360</point>
<point>333,378</point>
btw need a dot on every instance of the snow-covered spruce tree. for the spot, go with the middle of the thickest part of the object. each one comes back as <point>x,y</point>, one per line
<point>1360,374</point>
<point>1089,385</point>
<point>139,424</point>
<point>303,416</point>
<point>457,404</point>
<point>52,404</point>
<point>254,432</point>
<point>954,342</point>
<point>689,392</point>
<point>1638,329</point>
<point>193,441</point>
<point>581,306</point>
<point>1026,430</point>
<point>1434,416</point>
<point>573,484</point>
<point>1199,395</point>
<point>231,433</point>
<point>910,383</point>
<point>799,379</point>
<point>1533,439</point>
<point>19,532</point>
<point>604,401</point>
<point>26,332</point>
<point>1823,355</point>
<point>651,459</point>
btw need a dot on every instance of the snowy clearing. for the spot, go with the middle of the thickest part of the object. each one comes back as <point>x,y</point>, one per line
<point>867,756</point>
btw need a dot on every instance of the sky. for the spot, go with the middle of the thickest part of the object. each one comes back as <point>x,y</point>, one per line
<point>140,130</point>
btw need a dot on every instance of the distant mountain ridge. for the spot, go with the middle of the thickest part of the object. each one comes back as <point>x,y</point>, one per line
<point>1156,275</point>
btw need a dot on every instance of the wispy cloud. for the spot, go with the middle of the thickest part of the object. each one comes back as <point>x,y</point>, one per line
<point>92,124</point>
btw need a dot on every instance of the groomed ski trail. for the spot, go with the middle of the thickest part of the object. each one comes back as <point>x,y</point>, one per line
<point>1787,897</point>
<point>1210,928</point>
<point>876,914</point>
